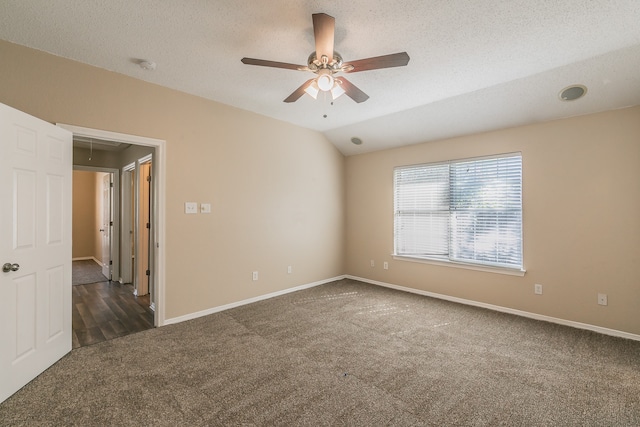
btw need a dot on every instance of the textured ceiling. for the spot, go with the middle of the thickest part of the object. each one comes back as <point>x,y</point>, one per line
<point>475,65</point>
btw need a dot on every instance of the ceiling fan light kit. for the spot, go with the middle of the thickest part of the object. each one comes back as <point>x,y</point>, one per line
<point>325,62</point>
<point>319,84</point>
<point>337,90</point>
<point>312,90</point>
<point>325,80</point>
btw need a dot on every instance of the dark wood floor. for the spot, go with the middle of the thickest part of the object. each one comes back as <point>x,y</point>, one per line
<point>106,310</point>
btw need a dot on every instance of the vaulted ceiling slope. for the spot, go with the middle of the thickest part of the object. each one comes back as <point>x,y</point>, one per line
<point>475,65</point>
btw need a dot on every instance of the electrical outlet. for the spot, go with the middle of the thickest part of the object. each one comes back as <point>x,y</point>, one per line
<point>602,299</point>
<point>289,269</point>
<point>385,265</point>
<point>205,208</point>
<point>537,289</point>
<point>373,263</point>
<point>255,275</point>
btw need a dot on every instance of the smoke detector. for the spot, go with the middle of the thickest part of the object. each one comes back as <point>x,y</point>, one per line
<point>147,65</point>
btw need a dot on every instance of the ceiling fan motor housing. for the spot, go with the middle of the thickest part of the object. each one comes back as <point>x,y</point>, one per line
<point>316,64</point>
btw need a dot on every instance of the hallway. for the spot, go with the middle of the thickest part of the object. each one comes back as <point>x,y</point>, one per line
<point>106,310</point>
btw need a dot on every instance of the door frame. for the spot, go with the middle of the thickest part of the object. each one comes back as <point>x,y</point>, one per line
<point>127,231</point>
<point>159,203</point>
<point>143,246</point>
<point>115,208</point>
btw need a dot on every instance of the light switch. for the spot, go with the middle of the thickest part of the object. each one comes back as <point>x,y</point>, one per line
<point>205,208</point>
<point>191,207</point>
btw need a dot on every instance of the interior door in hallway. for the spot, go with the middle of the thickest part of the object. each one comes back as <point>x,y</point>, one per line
<point>35,247</point>
<point>106,224</point>
<point>144,282</point>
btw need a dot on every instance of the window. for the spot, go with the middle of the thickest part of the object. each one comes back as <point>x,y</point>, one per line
<point>467,211</point>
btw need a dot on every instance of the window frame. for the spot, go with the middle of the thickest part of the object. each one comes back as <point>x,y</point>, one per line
<point>446,260</point>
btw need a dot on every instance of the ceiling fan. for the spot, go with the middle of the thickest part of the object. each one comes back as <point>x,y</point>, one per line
<point>325,62</point>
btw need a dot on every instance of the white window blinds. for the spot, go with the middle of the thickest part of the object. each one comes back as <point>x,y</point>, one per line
<point>422,210</point>
<point>466,211</point>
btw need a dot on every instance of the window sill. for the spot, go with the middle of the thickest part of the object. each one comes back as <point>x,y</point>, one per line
<point>454,264</point>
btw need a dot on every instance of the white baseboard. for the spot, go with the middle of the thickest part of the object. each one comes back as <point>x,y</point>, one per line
<point>85,258</point>
<point>570,323</point>
<point>247,301</point>
<point>578,325</point>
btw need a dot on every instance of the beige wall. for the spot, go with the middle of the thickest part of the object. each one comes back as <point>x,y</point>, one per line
<point>84,214</point>
<point>581,212</point>
<point>280,196</point>
<point>277,190</point>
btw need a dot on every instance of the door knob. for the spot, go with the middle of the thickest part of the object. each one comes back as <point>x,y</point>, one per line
<point>10,267</point>
<point>102,229</point>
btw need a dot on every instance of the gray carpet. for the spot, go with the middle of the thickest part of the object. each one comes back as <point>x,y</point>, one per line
<point>344,353</point>
<point>86,271</point>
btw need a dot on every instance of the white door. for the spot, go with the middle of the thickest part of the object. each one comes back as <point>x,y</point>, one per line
<point>144,229</point>
<point>126,225</point>
<point>35,247</point>
<point>106,225</point>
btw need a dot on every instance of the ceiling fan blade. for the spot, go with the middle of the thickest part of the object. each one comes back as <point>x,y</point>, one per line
<point>299,92</point>
<point>352,91</point>
<point>323,31</point>
<point>274,64</point>
<point>385,61</point>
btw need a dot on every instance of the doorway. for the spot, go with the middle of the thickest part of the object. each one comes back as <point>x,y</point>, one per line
<point>143,260</point>
<point>156,209</point>
<point>95,217</point>
<point>137,227</point>
<point>103,306</point>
